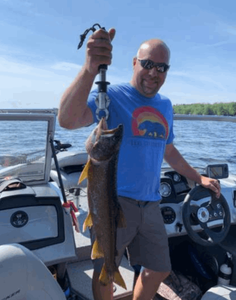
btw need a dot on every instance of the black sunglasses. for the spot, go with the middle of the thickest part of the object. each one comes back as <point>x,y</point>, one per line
<point>149,64</point>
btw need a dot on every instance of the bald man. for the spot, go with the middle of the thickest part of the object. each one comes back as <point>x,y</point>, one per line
<point>147,117</point>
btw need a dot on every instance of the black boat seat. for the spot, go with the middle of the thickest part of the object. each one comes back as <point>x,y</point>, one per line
<point>220,292</point>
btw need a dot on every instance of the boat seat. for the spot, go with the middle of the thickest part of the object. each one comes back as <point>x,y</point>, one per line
<point>220,292</point>
<point>68,158</point>
<point>69,181</point>
<point>24,276</point>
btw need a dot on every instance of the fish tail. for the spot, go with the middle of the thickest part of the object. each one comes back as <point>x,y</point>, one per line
<point>118,279</point>
<point>84,173</point>
<point>88,222</point>
<point>105,279</point>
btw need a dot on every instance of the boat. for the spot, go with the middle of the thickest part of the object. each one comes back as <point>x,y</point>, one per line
<point>41,205</point>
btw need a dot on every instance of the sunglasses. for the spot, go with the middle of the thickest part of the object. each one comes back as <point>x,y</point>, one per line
<point>149,64</point>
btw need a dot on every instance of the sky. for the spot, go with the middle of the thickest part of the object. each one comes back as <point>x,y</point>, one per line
<point>39,38</point>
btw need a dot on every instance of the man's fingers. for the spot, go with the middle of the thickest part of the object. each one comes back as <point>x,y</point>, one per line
<point>112,33</point>
<point>99,49</point>
<point>216,188</point>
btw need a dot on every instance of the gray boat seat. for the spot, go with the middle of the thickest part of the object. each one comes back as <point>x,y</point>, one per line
<point>220,292</point>
<point>69,180</point>
<point>23,276</point>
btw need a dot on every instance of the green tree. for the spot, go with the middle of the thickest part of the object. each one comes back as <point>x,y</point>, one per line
<point>207,110</point>
<point>227,109</point>
<point>232,109</point>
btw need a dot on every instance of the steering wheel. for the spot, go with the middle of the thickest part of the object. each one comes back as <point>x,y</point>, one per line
<point>203,215</point>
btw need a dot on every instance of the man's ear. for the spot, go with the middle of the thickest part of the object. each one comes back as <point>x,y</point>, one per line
<point>134,61</point>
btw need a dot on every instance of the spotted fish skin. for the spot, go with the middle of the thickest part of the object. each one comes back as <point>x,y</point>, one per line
<point>105,213</point>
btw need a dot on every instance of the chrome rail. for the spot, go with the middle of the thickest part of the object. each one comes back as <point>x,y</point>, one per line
<point>205,118</point>
<point>30,110</point>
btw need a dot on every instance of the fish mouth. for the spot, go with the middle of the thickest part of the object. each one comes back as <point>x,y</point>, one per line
<point>102,140</point>
<point>103,131</point>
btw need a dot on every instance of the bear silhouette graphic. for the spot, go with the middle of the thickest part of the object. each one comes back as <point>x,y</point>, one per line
<point>152,129</point>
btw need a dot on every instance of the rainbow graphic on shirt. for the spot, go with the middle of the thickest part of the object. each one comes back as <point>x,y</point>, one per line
<point>149,122</point>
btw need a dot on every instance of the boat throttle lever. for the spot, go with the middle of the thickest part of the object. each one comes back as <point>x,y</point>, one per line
<point>102,101</point>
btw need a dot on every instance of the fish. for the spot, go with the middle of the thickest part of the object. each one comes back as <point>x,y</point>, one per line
<point>105,213</point>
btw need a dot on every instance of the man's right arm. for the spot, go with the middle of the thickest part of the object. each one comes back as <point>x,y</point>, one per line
<point>73,110</point>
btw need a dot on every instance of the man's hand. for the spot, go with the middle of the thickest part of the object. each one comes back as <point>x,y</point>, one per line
<point>99,50</point>
<point>212,184</point>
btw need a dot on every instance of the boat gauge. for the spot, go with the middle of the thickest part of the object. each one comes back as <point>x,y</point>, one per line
<point>168,214</point>
<point>165,189</point>
<point>176,177</point>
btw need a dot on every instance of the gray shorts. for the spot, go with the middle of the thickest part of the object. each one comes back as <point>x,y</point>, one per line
<point>144,237</point>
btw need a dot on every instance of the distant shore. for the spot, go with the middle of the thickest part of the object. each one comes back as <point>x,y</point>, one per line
<point>218,109</point>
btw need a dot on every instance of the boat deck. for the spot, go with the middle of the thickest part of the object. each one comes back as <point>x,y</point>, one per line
<point>80,271</point>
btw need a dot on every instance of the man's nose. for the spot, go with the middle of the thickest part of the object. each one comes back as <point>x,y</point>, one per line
<point>153,72</point>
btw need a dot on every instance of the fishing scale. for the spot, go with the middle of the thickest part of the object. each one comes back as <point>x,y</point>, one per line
<point>102,101</point>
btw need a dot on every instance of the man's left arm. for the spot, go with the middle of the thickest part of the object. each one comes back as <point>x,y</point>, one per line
<point>179,164</point>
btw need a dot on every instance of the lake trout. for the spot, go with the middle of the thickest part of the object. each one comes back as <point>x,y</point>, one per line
<point>105,213</point>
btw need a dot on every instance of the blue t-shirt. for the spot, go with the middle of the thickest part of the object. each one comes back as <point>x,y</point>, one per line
<point>148,127</point>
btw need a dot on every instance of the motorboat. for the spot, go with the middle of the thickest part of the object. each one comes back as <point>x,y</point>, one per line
<point>42,205</point>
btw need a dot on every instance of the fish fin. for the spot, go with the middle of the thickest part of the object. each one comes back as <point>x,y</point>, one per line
<point>104,278</point>
<point>118,279</point>
<point>88,222</point>
<point>84,173</point>
<point>97,251</point>
<point>120,219</point>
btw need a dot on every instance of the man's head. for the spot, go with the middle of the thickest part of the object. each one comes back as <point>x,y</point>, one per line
<point>146,78</point>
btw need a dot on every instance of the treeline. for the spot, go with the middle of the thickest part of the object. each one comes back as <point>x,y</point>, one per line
<point>220,109</point>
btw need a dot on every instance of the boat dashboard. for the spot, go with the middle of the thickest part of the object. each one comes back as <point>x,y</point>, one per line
<point>174,188</point>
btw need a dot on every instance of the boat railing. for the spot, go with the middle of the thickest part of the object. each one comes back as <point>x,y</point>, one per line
<point>205,118</point>
<point>31,111</point>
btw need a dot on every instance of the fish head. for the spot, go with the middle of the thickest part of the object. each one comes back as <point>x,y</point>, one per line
<point>103,143</point>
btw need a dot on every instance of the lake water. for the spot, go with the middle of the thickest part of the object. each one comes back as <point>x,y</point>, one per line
<point>200,142</point>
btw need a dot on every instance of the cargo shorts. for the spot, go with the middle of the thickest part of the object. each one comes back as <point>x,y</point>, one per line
<point>144,237</point>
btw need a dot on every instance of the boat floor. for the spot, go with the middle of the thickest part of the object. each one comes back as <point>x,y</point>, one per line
<point>80,271</point>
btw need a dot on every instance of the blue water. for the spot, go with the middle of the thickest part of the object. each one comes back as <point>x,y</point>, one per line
<point>200,142</point>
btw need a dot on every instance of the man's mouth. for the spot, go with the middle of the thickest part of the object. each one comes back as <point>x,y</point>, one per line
<point>150,83</point>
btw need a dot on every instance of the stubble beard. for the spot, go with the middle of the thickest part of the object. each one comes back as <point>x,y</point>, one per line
<point>149,91</point>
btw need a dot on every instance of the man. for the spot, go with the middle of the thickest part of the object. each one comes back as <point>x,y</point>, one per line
<point>148,135</point>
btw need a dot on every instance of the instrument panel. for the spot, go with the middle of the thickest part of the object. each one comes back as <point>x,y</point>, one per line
<point>173,187</point>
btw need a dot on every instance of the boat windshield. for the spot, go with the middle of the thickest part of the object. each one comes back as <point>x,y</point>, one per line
<point>24,149</point>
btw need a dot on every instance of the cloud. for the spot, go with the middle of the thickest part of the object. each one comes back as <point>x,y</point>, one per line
<point>227,28</point>
<point>22,7</point>
<point>199,83</point>
<point>23,85</point>
<point>213,45</point>
<point>196,77</point>
<point>65,66</point>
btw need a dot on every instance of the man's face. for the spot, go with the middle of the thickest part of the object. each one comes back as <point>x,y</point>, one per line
<point>148,82</point>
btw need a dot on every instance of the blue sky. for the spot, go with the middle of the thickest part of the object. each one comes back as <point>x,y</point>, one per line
<point>39,38</point>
